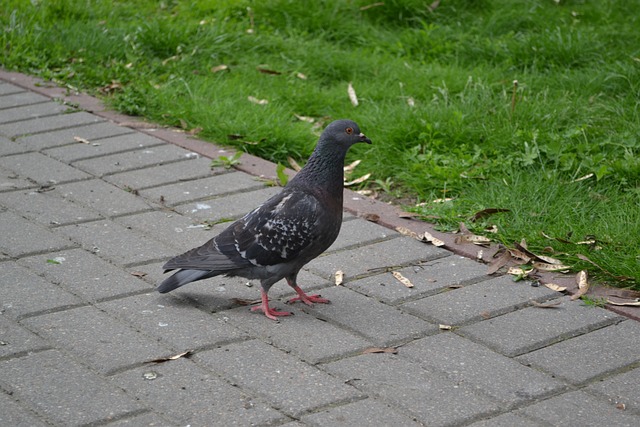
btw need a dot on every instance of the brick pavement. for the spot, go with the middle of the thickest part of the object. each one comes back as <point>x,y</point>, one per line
<point>85,228</point>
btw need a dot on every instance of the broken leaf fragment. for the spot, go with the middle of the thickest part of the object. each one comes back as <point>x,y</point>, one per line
<point>218,68</point>
<point>352,95</point>
<point>445,327</point>
<point>555,287</point>
<point>257,101</point>
<point>628,303</point>
<point>138,273</point>
<point>406,232</point>
<point>583,285</point>
<point>338,277</point>
<point>428,237</point>
<point>548,304</point>
<point>550,267</point>
<point>81,140</point>
<point>360,180</point>
<point>473,238</point>
<point>185,354</point>
<point>371,350</point>
<point>400,278</point>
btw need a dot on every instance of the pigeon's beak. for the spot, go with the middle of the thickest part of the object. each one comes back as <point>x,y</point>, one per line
<point>363,138</point>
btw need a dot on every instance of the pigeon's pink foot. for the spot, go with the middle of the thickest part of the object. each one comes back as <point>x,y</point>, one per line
<point>307,299</point>
<point>271,313</point>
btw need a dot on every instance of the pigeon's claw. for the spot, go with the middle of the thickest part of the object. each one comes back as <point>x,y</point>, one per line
<point>271,313</point>
<point>307,299</point>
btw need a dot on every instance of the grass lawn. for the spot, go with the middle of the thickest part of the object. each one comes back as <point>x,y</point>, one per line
<point>435,88</point>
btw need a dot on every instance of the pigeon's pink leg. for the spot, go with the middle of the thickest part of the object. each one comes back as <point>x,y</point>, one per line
<point>271,313</point>
<point>307,299</point>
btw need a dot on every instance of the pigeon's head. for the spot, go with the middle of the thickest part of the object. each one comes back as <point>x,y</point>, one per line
<point>344,133</point>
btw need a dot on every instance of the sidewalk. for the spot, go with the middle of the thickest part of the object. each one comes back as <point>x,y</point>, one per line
<point>89,211</point>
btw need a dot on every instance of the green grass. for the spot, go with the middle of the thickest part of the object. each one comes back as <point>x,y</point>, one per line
<point>576,109</point>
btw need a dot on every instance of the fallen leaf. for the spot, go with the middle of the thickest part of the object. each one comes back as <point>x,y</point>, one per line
<point>517,271</point>
<point>268,71</point>
<point>473,238</point>
<point>301,76</point>
<point>555,287</point>
<point>185,354</point>
<point>548,304</point>
<point>428,237</point>
<point>487,212</point>
<point>235,136</point>
<point>305,118</point>
<point>218,68</point>
<point>194,131</point>
<point>480,255</point>
<point>372,350</point>
<point>400,278</point>
<point>360,180</point>
<point>621,406</point>
<point>371,217</point>
<point>351,166</point>
<point>583,285</point>
<point>294,165</point>
<point>352,95</point>
<point>257,101</point>
<point>499,262</point>
<point>485,315</point>
<point>629,303</point>
<point>241,301</point>
<point>369,6</point>
<point>139,125</point>
<point>338,277</point>
<point>550,267</point>
<point>492,229</point>
<point>621,278</point>
<point>81,140</point>
<point>445,327</point>
<point>138,273</point>
<point>406,232</point>
<point>411,102</point>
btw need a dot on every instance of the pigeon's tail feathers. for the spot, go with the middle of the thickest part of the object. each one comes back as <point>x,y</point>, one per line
<point>181,278</point>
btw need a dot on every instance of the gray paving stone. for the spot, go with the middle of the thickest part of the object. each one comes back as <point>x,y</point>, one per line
<point>146,419</point>
<point>26,112</point>
<point>232,206</point>
<point>10,181</point>
<point>281,379</point>
<point>580,408</point>
<point>430,397</point>
<point>193,168</point>
<point>14,339</point>
<point>368,412</point>
<point>383,325</point>
<point>102,342</point>
<point>7,88</point>
<point>47,208</point>
<point>583,358</point>
<point>45,124</point>
<point>466,362</point>
<point>311,339</point>
<point>84,274</point>
<point>54,385</point>
<point>25,293</point>
<point>13,414</point>
<point>40,168</point>
<point>9,147</point>
<point>103,197</point>
<point>358,232</point>
<point>171,228</point>
<point>190,395</point>
<point>21,98</point>
<point>623,389</point>
<point>508,420</point>
<point>528,329</point>
<point>102,147</point>
<point>116,243</point>
<point>173,321</point>
<point>428,278</point>
<point>203,188</point>
<point>132,160</point>
<point>92,132</point>
<point>375,257</point>
<point>479,301</point>
<point>21,237</point>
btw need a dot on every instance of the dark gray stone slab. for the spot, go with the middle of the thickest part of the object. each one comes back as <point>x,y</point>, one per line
<point>203,188</point>
<point>430,397</point>
<point>21,237</point>
<point>428,278</point>
<point>85,274</point>
<point>190,395</point>
<point>103,197</point>
<point>509,419</point>
<point>14,339</point>
<point>54,385</point>
<point>21,98</point>
<point>9,147</point>
<point>91,132</point>
<point>14,414</point>
<point>580,408</point>
<point>532,328</point>
<point>193,168</point>
<point>41,169</point>
<point>100,341</point>
<point>173,321</point>
<point>381,324</point>
<point>19,113</point>
<point>102,147</point>
<point>466,362</point>
<point>10,181</point>
<point>583,358</point>
<point>132,160</point>
<point>311,339</point>
<point>622,389</point>
<point>375,257</point>
<point>232,206</point>
<point>8,88</point>
<point>146,419</point>
<point>117,243</point>
<point>47,207</point>
<point>45,124</point>
<point>368,412</point>
<point>479,301</point>
<point>25,293</point>
<point>281,379</point>
<point>356,232</point>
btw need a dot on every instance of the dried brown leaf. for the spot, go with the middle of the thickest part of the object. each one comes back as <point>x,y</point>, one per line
<point>338,277</point>
<point>138,273</point>
<point>583,285</point>
<point>185,354</point>
<point>555,287</point>
<point>360,180</point>
<point>81,140</point>
<point>371,217</point>
<point>550,267</point>
<point>372,350</point>
<point>428,237</point>
<point>445,327</point>
<point>242,301</point>
<point>372,5</point>
<point>517,271</point>
<point>257,101</point>
<point>621,278</point>
<point>628,303</point>
<point>400,278</point>
<point>352,95</point>
<point>218,68</point>
<point>406,232</point>
<point>499,262</point>
<point>473,238</point>
<point>268,71</point>
<point>294,165</point>
<point>305,118</point>
<point>351,166</point>
<point>548,304</point>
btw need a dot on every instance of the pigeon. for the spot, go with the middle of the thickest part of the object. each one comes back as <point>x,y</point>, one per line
<point>275,240</point>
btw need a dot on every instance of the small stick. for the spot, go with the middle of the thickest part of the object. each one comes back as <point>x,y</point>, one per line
<point>513,97</point>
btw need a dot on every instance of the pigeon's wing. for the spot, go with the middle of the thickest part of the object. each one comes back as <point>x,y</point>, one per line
<point>276,232</point>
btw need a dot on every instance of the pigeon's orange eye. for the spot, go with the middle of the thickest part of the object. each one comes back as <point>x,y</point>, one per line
<point>349,131</point>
